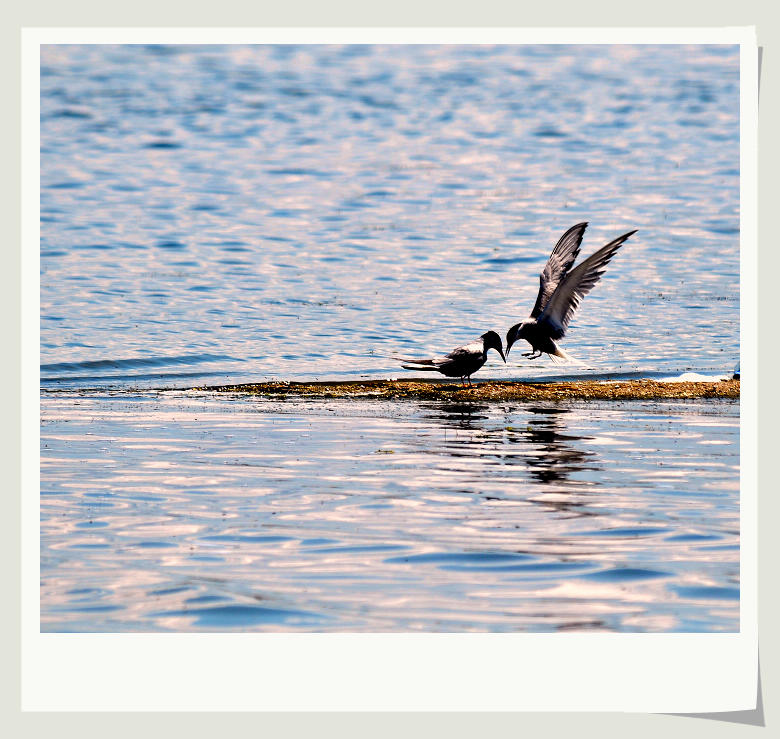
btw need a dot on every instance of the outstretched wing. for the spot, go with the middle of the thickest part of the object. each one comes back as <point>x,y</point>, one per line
<point>575,286</point>
<point>561,259</point>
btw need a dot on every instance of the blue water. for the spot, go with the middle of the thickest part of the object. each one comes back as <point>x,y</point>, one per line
<point>297,212</point>
<point>228,214</point>
<point>179,512</point>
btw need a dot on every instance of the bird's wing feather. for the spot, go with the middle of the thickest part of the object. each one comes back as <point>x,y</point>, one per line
<point>561,259</point>
<point>575,286</point>
<point>474,348</point>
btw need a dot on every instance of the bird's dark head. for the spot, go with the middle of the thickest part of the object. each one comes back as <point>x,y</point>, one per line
<point>492,340</point>
<point>512,336</point>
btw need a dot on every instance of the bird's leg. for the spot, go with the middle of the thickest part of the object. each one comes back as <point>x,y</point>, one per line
<point>535,355</point>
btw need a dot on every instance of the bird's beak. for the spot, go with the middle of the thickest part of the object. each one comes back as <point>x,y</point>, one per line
<point>500,351</point>
<point>508,347</point>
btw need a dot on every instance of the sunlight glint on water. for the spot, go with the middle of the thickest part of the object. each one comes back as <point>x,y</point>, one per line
<point>198,512</point>
<point>301,212</point>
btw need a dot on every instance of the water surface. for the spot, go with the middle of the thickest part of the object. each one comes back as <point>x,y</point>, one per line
<point>228,214</point>
<point>195,512</point>
<point>245,213</point>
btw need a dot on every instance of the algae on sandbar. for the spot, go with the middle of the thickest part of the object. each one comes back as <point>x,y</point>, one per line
<point>488,390</point>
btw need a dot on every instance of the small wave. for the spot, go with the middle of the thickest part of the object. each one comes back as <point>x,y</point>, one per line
<point>694,377</point>
<point>242,616</point>
<point>139,362</point>
<point>163,145</point>
<point>109,380</point>
<point>299,172</point>
<point>511,260</point>
<point>75,113</point>
<point>620,376</point>
<point>549,132</point>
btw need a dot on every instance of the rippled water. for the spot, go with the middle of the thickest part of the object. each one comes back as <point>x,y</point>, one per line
<point>240,213</point>
<point>231,214</point>
<point>198,512</point>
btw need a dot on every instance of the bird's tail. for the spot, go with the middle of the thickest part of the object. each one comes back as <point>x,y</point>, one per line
<point>562,356</point>
<point>413,363</point>
<point>413,360</point>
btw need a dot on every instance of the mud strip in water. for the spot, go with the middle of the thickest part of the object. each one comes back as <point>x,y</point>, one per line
<point>499,391</point>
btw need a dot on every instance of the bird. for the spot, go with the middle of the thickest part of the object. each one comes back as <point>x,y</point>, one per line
<point>463,361</point>
<point>561,290</point>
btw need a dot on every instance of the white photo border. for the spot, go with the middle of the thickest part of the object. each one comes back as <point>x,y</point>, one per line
<point>399,672</point>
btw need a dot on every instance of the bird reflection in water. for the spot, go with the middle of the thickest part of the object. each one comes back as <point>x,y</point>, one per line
<point>525,447</point>
<point>548,455</point>
<point>461,415</point>
<point>556,456</point>
<point>553,455</point>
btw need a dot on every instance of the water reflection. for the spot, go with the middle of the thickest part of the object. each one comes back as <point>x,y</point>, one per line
<point>459,415</point>
<point>550,453</point>
<point>557,456</point>
<point>174,512</point>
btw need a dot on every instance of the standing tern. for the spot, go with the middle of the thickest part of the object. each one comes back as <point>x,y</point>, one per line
<point>461,362</point>
<point>560,293</point>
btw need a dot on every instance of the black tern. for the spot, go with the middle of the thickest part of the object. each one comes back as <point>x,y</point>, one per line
<point>461,362</point>
<point>560,293</point>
